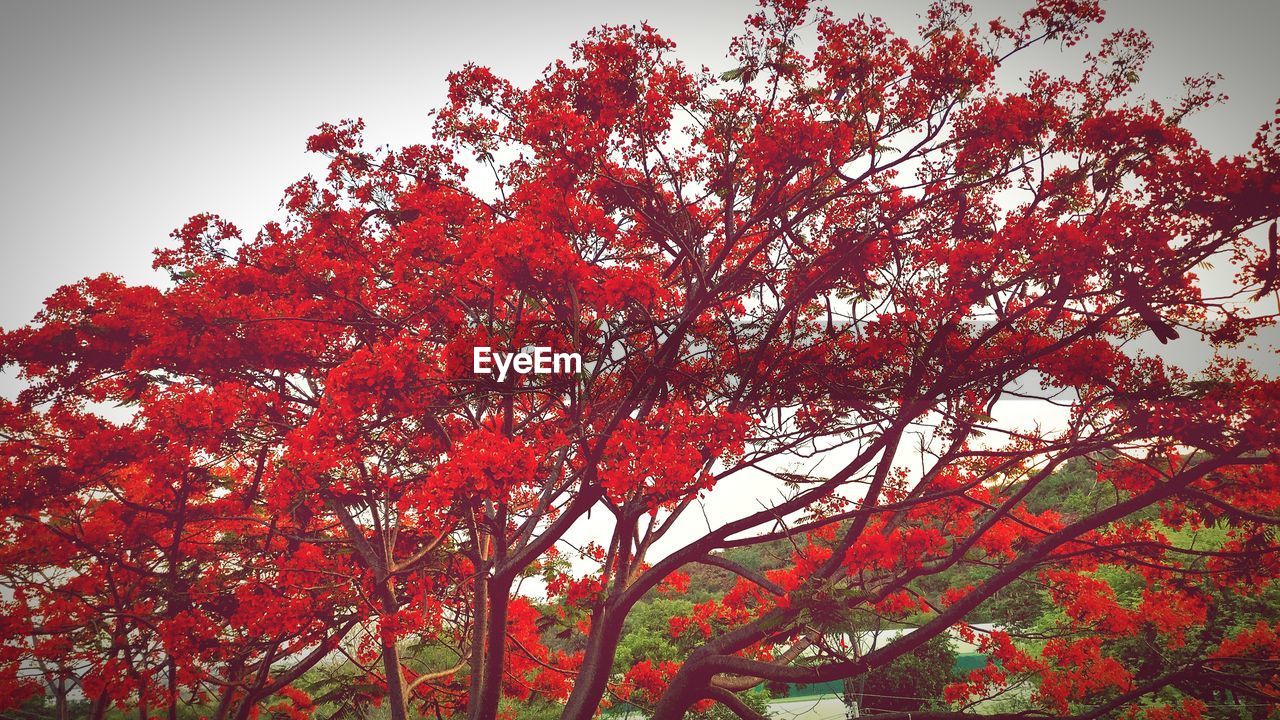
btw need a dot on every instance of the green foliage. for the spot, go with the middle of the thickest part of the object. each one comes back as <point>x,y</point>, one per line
<point>533,709</point>
<point>647,633</point>
<point>340,692</point>
<point>1073,490</point>
<point>708,581</point>
<point>910,683</point>
<point>647,636</point>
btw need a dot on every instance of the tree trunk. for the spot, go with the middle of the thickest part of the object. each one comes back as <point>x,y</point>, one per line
<point>99,708</point>
<point>173,689</point>
<point>395,681</point>
<point>597,666</point>
<point>399,705</point>
<point>480,610</point>
<point>60,699</point>
<point>686,688</point>
<point>484,706</point>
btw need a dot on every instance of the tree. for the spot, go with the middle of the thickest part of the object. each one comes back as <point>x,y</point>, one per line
<point>851,246</point>
<point>908,683</point>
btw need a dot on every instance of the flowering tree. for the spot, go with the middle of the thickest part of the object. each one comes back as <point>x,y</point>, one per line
<point>851,246</point>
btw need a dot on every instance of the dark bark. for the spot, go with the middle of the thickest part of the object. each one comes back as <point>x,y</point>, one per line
<point>734,703</point>
<point>480,610</point>
<point>398,705</point>
<point>485,705</point>
<point>597,665</point>
<point>60,710</point>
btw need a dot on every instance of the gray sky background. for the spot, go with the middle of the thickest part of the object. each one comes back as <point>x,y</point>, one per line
<point>122,119</point>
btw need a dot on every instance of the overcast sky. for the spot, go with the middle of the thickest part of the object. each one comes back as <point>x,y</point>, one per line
<point>122,119</point>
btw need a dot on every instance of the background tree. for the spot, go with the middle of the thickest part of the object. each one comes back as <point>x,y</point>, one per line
<point>851,246</point>
<point>912,682</point>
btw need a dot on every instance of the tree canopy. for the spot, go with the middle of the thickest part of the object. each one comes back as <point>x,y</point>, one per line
<point>850,247</point>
